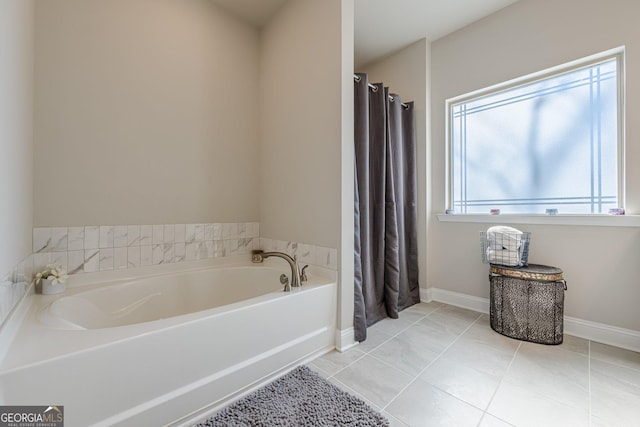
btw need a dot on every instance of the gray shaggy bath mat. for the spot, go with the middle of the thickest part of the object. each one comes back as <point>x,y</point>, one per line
<point>300,398</point>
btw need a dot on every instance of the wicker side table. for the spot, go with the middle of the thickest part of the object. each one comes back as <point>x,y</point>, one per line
<point>527,303</point>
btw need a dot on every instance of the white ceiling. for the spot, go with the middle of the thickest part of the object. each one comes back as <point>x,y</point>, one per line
<point>386,26</point>
<point>383,27</point>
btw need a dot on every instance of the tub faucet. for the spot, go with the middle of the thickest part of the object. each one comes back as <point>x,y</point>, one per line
<point>303,274</point>
<point>259,256</point>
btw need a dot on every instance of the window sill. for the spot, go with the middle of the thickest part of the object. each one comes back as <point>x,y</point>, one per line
<point>590,220</point>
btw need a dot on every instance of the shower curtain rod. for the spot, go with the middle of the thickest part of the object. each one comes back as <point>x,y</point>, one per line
<point>375,89</point>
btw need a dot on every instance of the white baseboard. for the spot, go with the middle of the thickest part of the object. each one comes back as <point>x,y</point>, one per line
<point>606,334</point>
<point>599,332</point>
<point>345,339</point>
<point>455,298</point>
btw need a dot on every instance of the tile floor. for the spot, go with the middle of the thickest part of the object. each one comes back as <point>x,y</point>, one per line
<point>439,365</point>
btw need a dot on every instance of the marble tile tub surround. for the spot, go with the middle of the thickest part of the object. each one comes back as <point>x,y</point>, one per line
<point>307,254</point>
<point>14,286</point>
<point>101,248</point>
<point>92,249</point>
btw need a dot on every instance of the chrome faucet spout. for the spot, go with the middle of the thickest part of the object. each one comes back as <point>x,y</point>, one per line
<point>259,256</point>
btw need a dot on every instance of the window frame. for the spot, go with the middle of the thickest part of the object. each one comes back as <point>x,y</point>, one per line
<point>617,54</point>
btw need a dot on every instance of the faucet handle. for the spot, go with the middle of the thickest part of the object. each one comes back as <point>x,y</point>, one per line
<point>303,274</point>
<point>256,256</point>
<point>285,281</point>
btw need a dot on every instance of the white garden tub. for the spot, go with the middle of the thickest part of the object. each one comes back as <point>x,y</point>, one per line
<point>152,350</point>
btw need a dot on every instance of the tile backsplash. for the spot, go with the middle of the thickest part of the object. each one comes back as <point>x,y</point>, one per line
<point>96,248</point>
<point>14,286</point>
<point>307,254</point>
<point>90,249</point>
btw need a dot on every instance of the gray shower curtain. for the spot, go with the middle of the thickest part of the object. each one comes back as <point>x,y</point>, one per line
<point>386,247</point>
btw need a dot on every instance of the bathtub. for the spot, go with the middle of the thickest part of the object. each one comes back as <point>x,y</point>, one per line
<point>164,349</point>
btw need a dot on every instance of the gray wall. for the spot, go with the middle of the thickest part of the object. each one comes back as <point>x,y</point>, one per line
<point>600,263</point>
<point>16,133</point>
<point>145,112</point>
<point>300,123</point>
<point>306,132</point>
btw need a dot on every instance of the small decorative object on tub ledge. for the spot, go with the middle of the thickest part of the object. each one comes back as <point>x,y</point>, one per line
<point>450,211</point>
<point>616,211</point>
<point>53,279</point>
<point>551,211</point>
<point>494,211</point>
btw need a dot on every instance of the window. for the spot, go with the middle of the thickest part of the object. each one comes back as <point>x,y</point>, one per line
<point>549,141</point>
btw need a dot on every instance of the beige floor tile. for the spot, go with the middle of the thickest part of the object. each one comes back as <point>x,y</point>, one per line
<point>425,307</point>
<point>373,379</point>
<point>454,319</point>
<point>570,342</point>
<point>597,422</point>
<point>615,394</point>
<point>318,370</point>
<point>352,392</point>
<point>436,336</point>
<point>575,344</point>
<point>482,334</point>
<point>523,408</point>
<point>482,356</point>
<point>462,381</point>
<point>374,339</point>
<point>391,326</point>
<point>393,421</point>
<point>551,371</point>
<point>491,421</point>
<point>334,361</point>
<point>463,366</point>
<point>615,355</point>
<point>409,355</point>
<point>411,316</point>
<point>623,374</point>
<point>422,404</point>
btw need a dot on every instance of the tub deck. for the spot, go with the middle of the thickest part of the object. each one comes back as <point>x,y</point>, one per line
<point>168,367</point>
